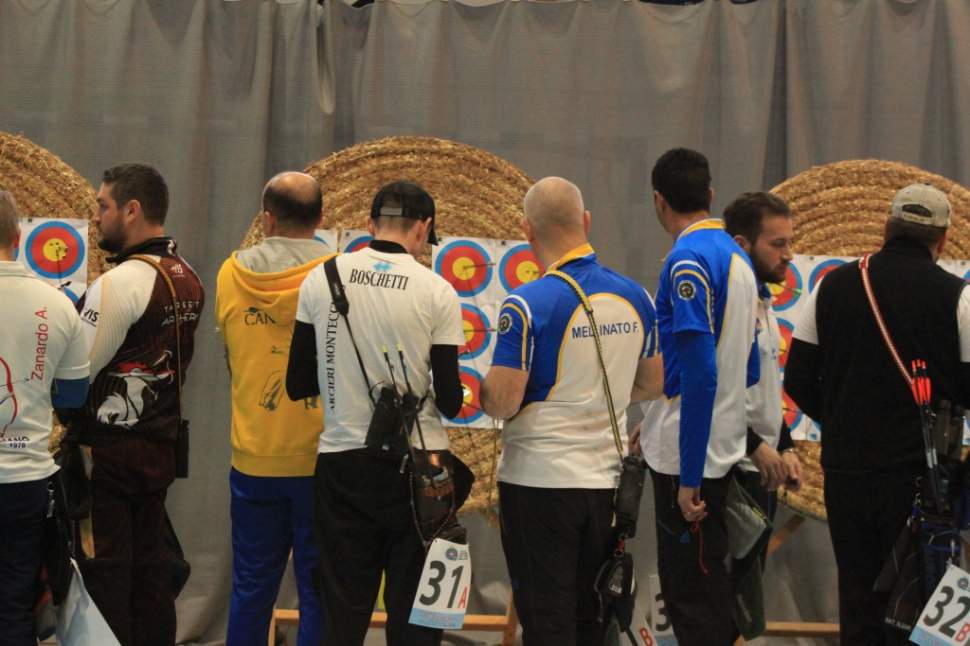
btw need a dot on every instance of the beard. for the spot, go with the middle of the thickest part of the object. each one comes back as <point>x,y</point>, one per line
<point>111,243</point>
<point>768,274</point>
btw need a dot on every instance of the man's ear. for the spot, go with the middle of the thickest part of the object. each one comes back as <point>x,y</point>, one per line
<point>743,243</point>
<point>710,197</point>
<point>269,224</point>
<point>587,220</point>
<point>130,210</point>
<point>527,229</point>
<point>371,229</point>
<point>941,244</point>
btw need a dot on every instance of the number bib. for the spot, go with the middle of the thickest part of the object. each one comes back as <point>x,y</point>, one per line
<point>945,620</point>
<point>442,595</point>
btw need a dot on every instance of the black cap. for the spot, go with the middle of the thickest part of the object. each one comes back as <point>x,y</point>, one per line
<point>408,200</point>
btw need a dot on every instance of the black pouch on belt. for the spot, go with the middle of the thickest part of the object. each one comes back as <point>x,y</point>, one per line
<point>628,494</point>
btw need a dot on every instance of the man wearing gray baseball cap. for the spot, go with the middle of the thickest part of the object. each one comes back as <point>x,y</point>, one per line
<point>842,373</point>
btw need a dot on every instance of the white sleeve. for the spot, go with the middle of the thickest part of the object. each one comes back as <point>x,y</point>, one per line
<point>112,305</point>
<point>73,363</point>
<point>963,325</point>
<point>304,306</point>
<point>806,328</point>
<point>447,328</point>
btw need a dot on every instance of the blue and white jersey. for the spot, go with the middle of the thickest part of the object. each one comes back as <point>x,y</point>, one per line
<point>707,285</point>
<point>561,437</point>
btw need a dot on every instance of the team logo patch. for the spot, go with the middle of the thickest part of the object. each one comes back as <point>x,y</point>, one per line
<point>504,323</point>
<point>686,290</point>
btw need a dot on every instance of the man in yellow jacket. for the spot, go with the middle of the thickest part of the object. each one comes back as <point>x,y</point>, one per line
<point>274,440</point>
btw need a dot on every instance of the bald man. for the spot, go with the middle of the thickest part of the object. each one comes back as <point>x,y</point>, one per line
<point>561,454</point>
<point>274,440</point>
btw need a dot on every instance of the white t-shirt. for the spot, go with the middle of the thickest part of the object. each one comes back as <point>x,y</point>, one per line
<point>394,302</point>
<point>764,403</point>
<point>42,341</point>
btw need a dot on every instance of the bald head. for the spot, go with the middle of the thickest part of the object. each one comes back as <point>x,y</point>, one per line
<point>9,220</point>
<point>294,199</point>
<point>554,207</point>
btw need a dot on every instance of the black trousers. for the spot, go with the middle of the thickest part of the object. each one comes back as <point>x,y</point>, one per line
<point>364,526</point>
<point>555,542</point>
<point>22,509</point>
<point>691,564</point>
<point>866,512</point>
<point>126,569</point>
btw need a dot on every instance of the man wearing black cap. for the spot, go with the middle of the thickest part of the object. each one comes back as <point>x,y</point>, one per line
<point>402,323</point>
<point>841,374</point>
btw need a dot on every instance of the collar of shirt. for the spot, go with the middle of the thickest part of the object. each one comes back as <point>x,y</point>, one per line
<point>13,268</point>
<point>582,251</point>
<point>162,246</point>
<point>386,246</point>
<point>706,223</point>
<point>764,292</point>
<point>907,246</point>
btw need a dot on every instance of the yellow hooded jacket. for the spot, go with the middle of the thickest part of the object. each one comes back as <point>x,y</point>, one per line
<point>271,435</point>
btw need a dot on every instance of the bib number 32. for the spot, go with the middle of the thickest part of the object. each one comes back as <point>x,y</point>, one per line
<point>945,620</point>
<point>442,596</point>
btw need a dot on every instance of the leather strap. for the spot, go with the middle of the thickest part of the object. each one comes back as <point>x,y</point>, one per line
<point>178,336</point>
<point>588,307</point>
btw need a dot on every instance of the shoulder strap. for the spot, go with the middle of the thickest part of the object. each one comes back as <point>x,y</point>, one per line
<point>588,307</point>
<point>339,295</point>
<point>881,324</point>
<point>178,336</point>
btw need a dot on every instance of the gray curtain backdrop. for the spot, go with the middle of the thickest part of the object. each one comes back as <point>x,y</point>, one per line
<point>221,95</point>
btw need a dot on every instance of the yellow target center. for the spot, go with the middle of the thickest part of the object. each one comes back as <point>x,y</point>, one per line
<point>467,394</point>
<point>463,268</point>
<point>775,289</point>
<point>55,250</point>
<point>469,330</point>
<point>527,271</point>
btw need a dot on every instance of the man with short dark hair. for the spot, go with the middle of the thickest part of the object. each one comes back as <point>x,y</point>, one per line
<point>139,320</point>
<point>274,440</point>
<point>761,224</point>
<point>43,360</point>
<point>693,437</point>
<point>405,322</point>
<point>841,374</point>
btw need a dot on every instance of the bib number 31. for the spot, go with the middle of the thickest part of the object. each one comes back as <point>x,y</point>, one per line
<point>945,620</point>
<point>442,596</point>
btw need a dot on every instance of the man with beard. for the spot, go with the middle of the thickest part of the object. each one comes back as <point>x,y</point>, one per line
<point>761,224</point>
<point>139,321</point>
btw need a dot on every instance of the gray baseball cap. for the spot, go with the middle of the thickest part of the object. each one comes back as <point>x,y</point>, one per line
<point>922,204</point>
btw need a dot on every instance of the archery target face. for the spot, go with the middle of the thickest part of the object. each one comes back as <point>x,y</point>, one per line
<point>54,250</point>
<point>519,265</point>
<point>466,265</point>
<point>352,240</point>
<point>471,385</point>
<point>820,271</point>
<point>793,416</point>
<point>786,294</point>
<point>786,329</point>
<point>477,329</point>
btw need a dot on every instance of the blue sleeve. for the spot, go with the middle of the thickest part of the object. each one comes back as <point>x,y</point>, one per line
<point>69,393</point>
<point>698,377</point>
<point>690,293</point>
<point>513,348</point>
<point>754,364</point>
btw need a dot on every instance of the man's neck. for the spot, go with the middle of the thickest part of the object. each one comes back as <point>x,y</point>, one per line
<point>6,254</point>
<point>396,237</point>
<point>307,234</point>
<point>683,221</point>
<point>144,235</point>
<point>547,255</point>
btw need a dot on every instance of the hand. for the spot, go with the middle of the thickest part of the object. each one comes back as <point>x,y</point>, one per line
<point>691,505</point>
<point>770,465</point>
<point>634,441</point>
<point>793,469</point>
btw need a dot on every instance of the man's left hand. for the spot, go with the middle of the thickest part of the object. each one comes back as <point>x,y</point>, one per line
<point>793,470</point>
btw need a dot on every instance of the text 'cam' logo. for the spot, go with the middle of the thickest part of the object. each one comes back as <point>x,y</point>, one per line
<point>255,316</point>
<point>382,267</point>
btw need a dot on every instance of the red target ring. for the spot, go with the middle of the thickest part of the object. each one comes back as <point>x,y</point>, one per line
<point>786,329</point>
<point>471,408</point>
<point>477,329</point>
<point>54,250</point>
<point>519,266</point>
<point>466,265</point>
